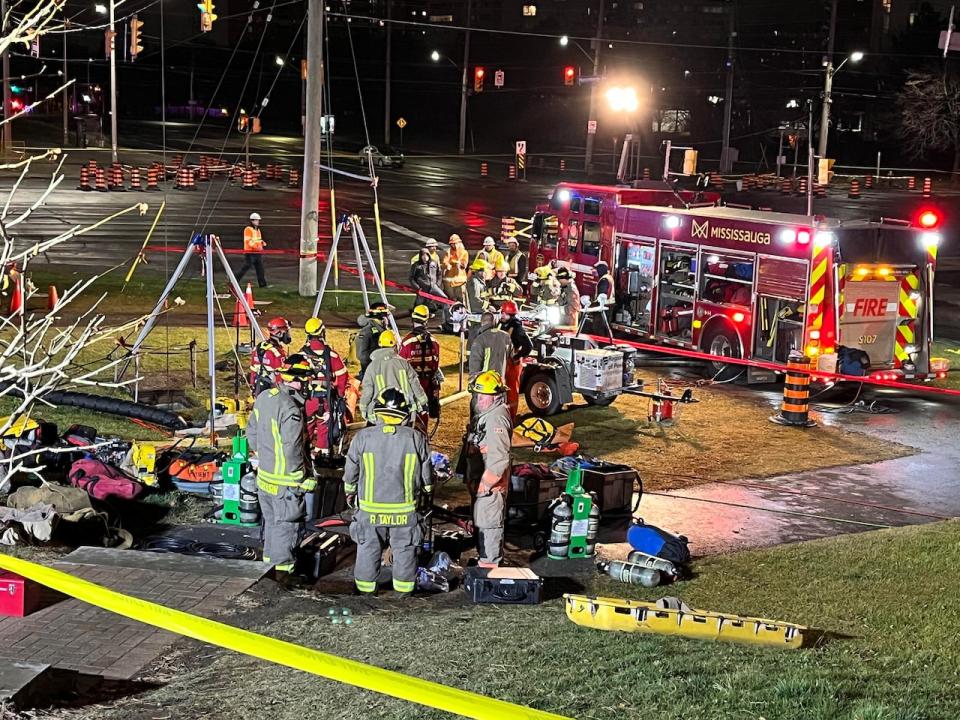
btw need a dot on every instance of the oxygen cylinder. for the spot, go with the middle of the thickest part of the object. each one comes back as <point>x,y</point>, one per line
<point>665,567</point>
<point>593,525</point>
<point>630,573</point>
<point>561,518</point>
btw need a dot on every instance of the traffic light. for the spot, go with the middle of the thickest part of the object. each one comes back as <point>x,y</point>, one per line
<point>16,104</point>
<point>569,75</point>
<point>108,43</point>
<point>243,122</point>
<point>207,15</point>
<point>135,46</point>
<point>15,89</point>
<point>478,76</point>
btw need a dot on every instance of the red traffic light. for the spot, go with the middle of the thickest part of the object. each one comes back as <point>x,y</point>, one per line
<point>569,74</point>
<point>16,104</point>
<point>480,73</point>
<point>928,219</point>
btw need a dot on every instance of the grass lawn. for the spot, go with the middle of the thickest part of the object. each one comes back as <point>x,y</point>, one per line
<point>891,597</point>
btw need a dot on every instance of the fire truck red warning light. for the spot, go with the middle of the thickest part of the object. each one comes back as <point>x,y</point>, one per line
<point>928,219</point>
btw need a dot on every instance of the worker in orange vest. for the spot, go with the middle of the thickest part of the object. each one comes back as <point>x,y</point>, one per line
<point>253,245</point>
<point>455,263</point>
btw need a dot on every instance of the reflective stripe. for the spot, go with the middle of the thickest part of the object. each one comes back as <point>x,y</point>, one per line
<point>277,480</point>
<point>486,359</point>
<point>409,466</point>
<point>365,586</point>
<point>401,586</point>
<point>279,460</point>
<point>368,477</point>
<point>380,383</point>
<point>386,508</point>
<point>286,567</point>
<point>404,384</point>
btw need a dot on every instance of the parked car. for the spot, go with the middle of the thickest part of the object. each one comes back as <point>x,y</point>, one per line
<point>389,157</point>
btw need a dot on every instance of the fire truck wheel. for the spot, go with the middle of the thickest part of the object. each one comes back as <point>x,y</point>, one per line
<point>721,340</point>
<point>599,401</point>
<point>542,394</point>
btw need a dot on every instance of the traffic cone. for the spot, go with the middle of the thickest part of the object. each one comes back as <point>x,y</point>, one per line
<point>16,296</point>
<point>240,319</point>
<point>249,295</point>
<point>53,298</point>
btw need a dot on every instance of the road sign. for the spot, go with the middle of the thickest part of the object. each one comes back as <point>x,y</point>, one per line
<point>592,127</point>
<point>521,147</point>
<point>401,123</point>
<point>498,78</point>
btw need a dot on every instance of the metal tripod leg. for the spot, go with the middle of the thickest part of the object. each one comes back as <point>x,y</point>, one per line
<point>331,263</point>
<point>355,224</point>
<point>376,278</point>
<point>235,285</point>
<point>211,338</point>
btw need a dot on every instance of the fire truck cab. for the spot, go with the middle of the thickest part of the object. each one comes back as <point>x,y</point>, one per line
<point>758,285</point>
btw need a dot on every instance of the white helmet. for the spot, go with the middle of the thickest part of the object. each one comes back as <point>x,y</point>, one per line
<point>489,241</point>
<point>254,216</point>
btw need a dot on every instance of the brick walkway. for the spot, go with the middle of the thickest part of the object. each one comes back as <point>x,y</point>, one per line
<point>71,635</point>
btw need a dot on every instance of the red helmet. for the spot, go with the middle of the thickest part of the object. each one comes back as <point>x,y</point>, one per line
<point>278,325</point>
<point>509,307</point>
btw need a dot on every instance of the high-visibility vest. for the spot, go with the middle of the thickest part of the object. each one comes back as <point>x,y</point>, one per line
<point>455,265</point>
<point>611,296</point>
<point>252,240</point>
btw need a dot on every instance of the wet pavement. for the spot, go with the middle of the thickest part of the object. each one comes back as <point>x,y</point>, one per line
<point>728,516</point>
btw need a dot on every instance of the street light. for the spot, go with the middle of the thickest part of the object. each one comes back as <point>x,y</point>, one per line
<point>435,56</point>
<point>564,40</point>
<point>279,61</point>
<point>623,99</point>
<point>102,9</point>
<point>853,57</point>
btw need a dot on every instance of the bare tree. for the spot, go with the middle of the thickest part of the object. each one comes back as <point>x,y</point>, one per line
<point>929,106</point>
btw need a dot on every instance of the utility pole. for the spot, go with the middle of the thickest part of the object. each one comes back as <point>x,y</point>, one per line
<point>7,127</point>
<point>726,154</point>
<point>463,84</point>
<point>386,98</point>
<point>312,151</point>
<point>810,156</point>
<point>588,155</point>
<point>828,84</point>
<point>66,96</point>
<point>113,84</point>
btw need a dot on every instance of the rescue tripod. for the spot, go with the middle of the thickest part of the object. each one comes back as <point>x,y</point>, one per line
<point>203,246</point>
<point>351,224</point>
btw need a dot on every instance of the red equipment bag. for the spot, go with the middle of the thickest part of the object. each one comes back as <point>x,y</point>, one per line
<point>102,481</point>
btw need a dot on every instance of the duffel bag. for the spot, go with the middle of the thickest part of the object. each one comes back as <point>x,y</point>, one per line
<point>658,542</point>
<point>102,481</point>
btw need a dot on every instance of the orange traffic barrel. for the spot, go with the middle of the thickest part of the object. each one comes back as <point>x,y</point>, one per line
<point>84,179</point>
<point>152,178</point>
<point>251,178</point>
<point>854,193</point>
<point>795,408</point>
<point>294,180</point>
<point>927,187</point>
<point>868,182</point>
<point>101,179</point>
<point>912,184</point>
<point>512,172</point>
<point>484,169</point>
<point>646,173</point>
<point>135,182</point>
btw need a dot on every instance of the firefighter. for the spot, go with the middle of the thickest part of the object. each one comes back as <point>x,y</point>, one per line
<point>253,246</point>
<point>387,475</point>
<point>521,348</point>
<point>502,287</point>
<point>389,370</point>
<point>371,326</point>
<point>328,386</point>
<point>455,263</point>
<point>545,289</point>
<point>425,277</point>
<point>277,434</point>
<point>475,295</point>
<point>490,349</point>
<point>269,356</point>
<point>422,351</point>
<point>517,261</point>
<point>489,253</point>
<point>488,465</point>
<point>569,300</point>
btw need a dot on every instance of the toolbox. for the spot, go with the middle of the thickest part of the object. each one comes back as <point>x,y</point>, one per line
<point>598,370</point>
<point>530,495</point>
<point>612,484</point>
<point>502,585</point>
<point>18,596</point>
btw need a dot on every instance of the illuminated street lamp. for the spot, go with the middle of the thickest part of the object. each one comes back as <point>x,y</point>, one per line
<point>853,57</point>
<point>623,99</point>
<point>279,61</point>
<point>435,56</point>
<point>564,40</point>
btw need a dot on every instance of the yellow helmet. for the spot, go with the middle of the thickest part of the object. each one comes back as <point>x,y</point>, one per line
<point>538,430</point>
<point>387,339</point>
<point>479,265</point>
<point>503,265</point>
<point>421,313</point>
<point>315,327</point>
<point>543,272</point>
<point>488,383</point>
<point>296,368</point>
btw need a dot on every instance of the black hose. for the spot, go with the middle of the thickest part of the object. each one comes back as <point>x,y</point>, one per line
<point>112,406</point>
<point>186,546</point>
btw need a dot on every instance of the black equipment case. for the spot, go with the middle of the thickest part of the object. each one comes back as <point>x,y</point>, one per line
<point>503,585</point>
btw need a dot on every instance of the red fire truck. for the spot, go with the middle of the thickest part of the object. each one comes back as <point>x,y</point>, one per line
<point>748,284</point>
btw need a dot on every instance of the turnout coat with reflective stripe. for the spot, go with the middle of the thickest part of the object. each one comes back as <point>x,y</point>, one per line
<point>276,432</point>
<point>389,370</point>
<point>388,467</point>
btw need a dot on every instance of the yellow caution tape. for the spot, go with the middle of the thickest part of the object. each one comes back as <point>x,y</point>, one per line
<point>276,651</point>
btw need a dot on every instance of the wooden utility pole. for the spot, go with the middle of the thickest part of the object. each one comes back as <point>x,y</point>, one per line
<point>312,151</point>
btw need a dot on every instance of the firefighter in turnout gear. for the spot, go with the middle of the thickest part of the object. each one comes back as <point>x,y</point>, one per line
<point>521,348</point>
<point>491,349</point>
<point>386,477</point>
<point>475,292</point>
<point>422,351</point>
<point>545,289</point>
<point>277,434</point>
<point>502,287</point>
<point>569,300</point>
<point>328,386</point>
<point>253,246</point>
<point>371,325</point>
<point>389,370</point>
<point>269,356</point>
<point>488,464</point>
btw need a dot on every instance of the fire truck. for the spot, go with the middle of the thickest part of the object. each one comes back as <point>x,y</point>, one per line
<point>741,283</point>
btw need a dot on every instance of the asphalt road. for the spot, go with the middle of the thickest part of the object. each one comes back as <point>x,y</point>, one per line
<point>431,196</point>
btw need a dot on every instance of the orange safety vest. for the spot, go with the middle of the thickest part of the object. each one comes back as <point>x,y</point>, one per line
<point>455,265</point>
<point>252,240</point>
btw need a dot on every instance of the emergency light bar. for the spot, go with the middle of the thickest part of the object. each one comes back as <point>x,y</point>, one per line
<point>801,236</point>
